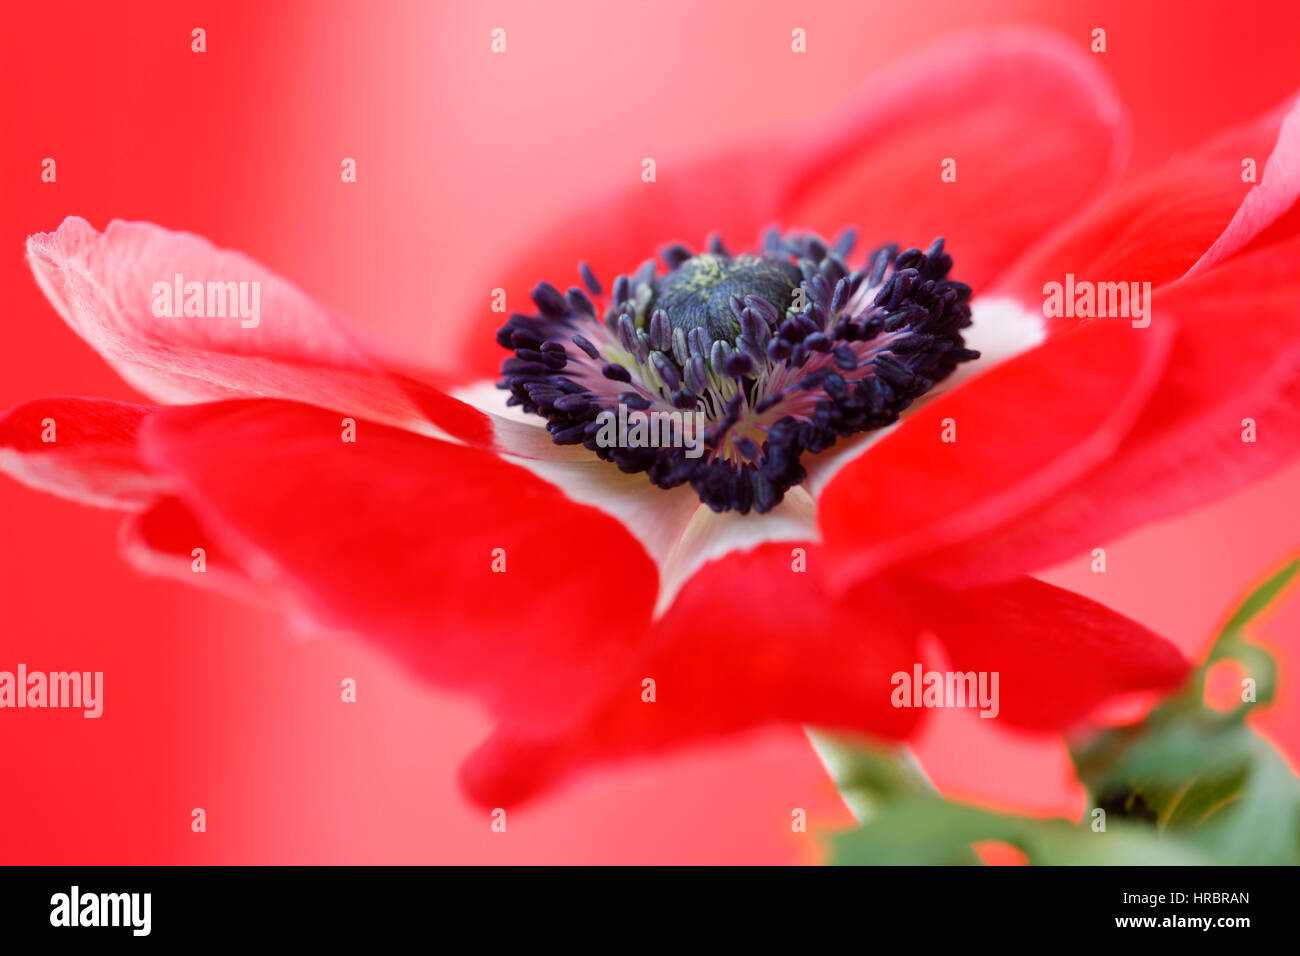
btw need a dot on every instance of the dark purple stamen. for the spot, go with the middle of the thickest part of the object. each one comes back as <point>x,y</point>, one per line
<point>781,354</point>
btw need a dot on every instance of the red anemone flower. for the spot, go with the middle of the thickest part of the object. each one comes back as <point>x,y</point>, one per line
<point>890,443</point>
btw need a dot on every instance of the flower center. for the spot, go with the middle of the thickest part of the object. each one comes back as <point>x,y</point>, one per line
<point>726,370</point>
<point>698,293</point>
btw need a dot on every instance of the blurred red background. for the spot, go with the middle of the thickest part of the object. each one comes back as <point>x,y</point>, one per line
<point>462,156</point>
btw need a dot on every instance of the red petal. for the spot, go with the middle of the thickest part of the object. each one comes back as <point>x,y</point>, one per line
<point>1236,355</point>
<point>1032,123</point>
<point>162,540</point>
<point>1157,226</point>
<point>747,642</point>
<point>103,287</point>
<point>394,537</point>
<point>873,162</point>
<point>1057,654</point>
<point>1265,203</point>
<point>93,456</point>
<point>1023,430</point>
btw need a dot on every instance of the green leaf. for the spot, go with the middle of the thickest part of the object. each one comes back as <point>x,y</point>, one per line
<point>927,830</point>
<point>1199,776</point>
<point>1187,785</point>
<point>1231,644</point>
<point>1259,600</point>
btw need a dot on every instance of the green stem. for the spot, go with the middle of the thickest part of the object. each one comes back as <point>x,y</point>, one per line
<point>868,775</point>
